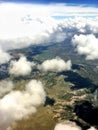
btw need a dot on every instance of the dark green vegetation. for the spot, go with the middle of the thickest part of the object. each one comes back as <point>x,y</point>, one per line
<point>63,89</point>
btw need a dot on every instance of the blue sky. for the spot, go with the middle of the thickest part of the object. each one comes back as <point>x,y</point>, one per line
<point>87,2</point>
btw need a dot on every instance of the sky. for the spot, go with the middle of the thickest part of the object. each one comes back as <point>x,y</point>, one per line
<point>88,2</point>
<point>24,23</point>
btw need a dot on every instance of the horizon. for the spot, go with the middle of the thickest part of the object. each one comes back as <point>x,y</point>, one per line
<point>71,2</point>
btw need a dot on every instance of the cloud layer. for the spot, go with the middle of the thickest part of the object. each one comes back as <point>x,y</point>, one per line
<point>57,65</point>
<point>25,24</point>
<point>18,104</point>
<point>86,45</point>
<point>22,25</point>
<point>21,67</point>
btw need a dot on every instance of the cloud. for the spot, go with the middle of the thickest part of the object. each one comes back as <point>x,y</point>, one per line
<point>22,25</point>
<point>86,45</point>
<point>5,87</point>
<point>57,65</point>
<point>92,128</point>
<point>91,26</point>
<point>21,67</point>
<point>18,104</point>
<point>78,25</point>
<point>4,57</point>
<point>67,126</point>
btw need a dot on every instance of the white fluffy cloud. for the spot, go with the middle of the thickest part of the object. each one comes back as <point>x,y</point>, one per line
<point>67,126</point>
<point>21,67</point>
<point>92,128</point>
<point>22,25</point>
<point>57,64</point>
<point>4,57</point>
<point>18,104</point>
<point>86,45</point>
<point>5,87</point>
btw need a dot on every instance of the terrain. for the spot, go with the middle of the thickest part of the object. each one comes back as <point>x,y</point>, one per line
<point>65,90</point>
